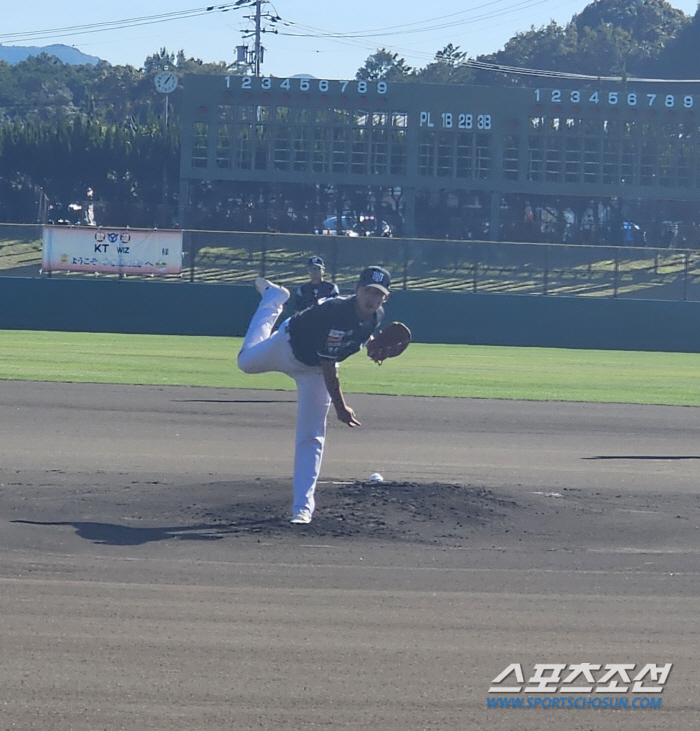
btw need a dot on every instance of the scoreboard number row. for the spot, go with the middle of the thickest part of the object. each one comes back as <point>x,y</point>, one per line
<point>613,98</point>
<point>322,85</point>
<point>448,120</point>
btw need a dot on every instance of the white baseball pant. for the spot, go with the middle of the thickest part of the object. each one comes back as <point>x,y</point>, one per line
<point>264,351</point>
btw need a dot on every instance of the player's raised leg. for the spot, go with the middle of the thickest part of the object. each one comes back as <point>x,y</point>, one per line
<point>254,354</point>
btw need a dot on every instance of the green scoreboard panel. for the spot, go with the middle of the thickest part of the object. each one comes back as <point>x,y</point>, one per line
<point>633,140</point>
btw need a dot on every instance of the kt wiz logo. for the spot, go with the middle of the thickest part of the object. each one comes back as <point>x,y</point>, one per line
<point>583,678</point>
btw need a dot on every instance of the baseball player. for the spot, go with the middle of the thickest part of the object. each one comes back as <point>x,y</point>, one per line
<point>317,288</point>
<point>308,347</point>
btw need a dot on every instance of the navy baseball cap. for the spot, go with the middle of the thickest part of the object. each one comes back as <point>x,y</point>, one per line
<point>376,277</point>
<point>316,261</point>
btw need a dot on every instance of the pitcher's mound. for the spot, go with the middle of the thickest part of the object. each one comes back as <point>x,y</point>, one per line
<point>432,512</point>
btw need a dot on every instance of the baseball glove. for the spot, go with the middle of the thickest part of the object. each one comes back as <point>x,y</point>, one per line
<point>388,343</point>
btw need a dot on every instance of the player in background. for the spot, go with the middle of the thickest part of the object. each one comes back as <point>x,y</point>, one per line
<point>308,348</point>
<point>317,288</point>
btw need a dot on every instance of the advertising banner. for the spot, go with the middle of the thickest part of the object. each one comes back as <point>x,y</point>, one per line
<point>111,251</point>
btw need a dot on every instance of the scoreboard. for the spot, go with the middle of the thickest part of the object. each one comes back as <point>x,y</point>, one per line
<point>633,140</point>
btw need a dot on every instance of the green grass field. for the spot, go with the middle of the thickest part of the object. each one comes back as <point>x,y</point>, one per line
<point>465,371</point>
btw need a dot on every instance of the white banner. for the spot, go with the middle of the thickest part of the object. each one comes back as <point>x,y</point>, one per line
<point>111,251</point>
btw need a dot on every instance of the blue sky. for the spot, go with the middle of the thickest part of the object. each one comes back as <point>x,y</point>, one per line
<point>415,29</point>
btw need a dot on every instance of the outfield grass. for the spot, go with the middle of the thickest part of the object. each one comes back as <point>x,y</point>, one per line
<point>424,370</point>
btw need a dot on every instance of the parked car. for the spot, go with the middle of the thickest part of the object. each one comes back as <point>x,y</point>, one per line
<point>330,225</point>
<point>355,226</point>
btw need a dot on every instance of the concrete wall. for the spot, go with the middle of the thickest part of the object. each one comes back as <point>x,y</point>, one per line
<point>435,317</point>
<point>559,322</point>
<point>88,305</point>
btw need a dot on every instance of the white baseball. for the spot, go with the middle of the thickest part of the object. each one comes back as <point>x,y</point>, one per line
<point>376,477</point>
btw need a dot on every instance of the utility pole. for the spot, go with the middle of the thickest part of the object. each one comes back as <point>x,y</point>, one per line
<point>253,58</point>
<point>258,34</point>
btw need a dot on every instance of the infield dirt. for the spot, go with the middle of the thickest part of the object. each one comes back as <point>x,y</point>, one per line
<point>149,577</point>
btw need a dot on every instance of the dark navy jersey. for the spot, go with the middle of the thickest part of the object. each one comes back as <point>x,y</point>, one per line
<point>332,331</point>
<point>309,294</point>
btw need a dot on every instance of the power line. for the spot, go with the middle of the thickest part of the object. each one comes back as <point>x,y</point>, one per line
<point>408,28</point>
<point>353,38</point>
<point>124,23</point>
<point>519,71</point>
<point>348,37</point>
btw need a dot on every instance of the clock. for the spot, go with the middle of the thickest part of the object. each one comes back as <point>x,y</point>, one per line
<point>166,82</point>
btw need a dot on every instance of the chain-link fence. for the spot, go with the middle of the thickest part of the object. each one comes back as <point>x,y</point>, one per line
<point>473,266</point>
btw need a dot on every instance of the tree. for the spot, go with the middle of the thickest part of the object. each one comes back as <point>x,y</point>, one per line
<point>384,66</point>
<point>604,51</point>
<point>161,61</point>
<point>651,23</point>
<point>547,48</point>
<point>680,58</point>
<point>608,38</point>
<point>197,66</point>
<point>449,67</point>
<point>639,31</point>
